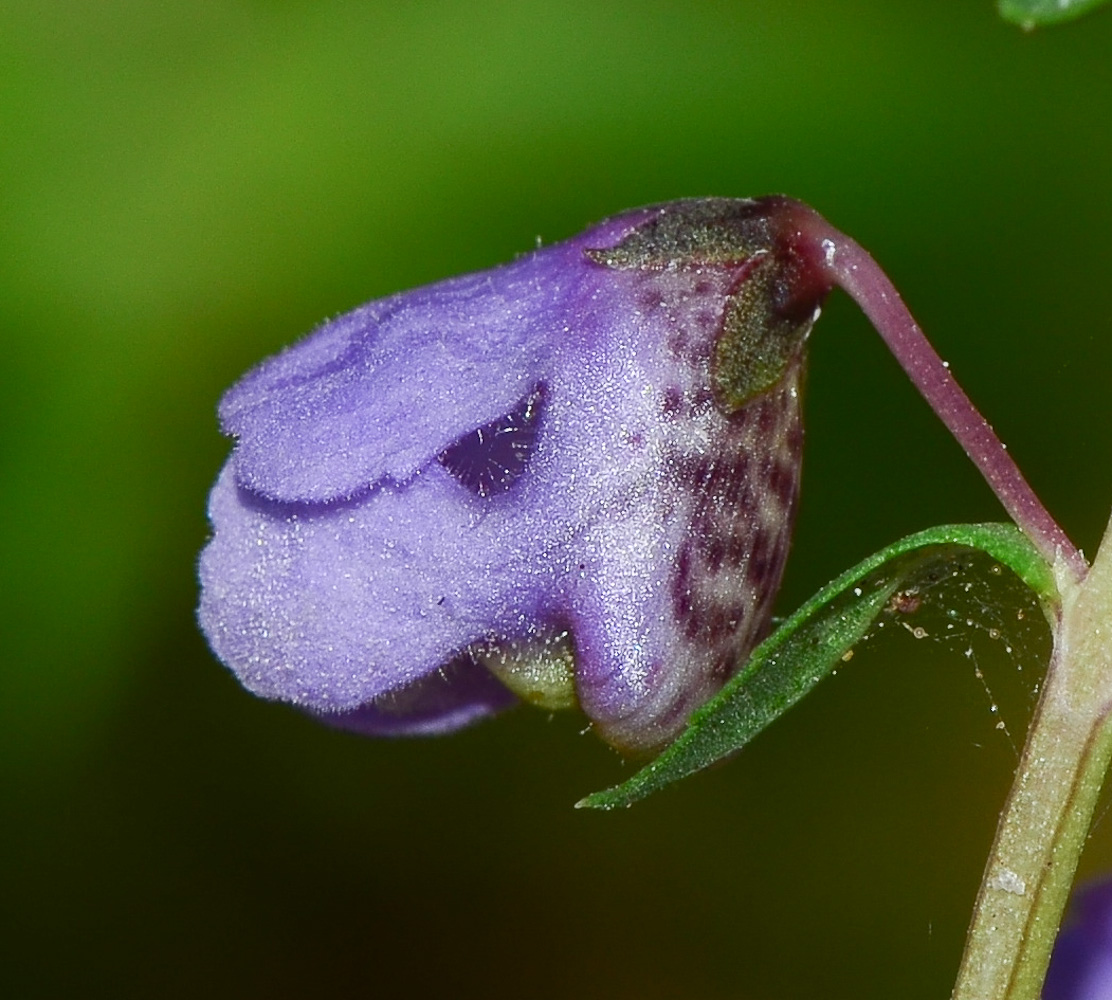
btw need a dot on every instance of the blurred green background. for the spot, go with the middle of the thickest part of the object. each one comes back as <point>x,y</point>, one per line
<point>185,188</point>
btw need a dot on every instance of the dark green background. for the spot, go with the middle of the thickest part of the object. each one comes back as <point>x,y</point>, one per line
<point>186,187</point>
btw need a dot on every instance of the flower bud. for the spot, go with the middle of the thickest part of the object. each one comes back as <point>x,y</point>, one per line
<point>569,480</point>
<point>1081,966</point>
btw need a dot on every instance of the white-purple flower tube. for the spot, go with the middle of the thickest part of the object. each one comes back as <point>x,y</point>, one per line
<point>570,479</point>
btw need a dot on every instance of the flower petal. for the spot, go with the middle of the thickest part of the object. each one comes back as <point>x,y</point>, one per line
<point>375,394</point>
<point>330,609</point>
<point>460,693</point>
<point>1081,966</point>
<point>602,437</point>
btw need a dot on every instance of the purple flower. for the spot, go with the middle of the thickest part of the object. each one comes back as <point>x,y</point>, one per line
<point>570,479</point>
<point>1081,967</point>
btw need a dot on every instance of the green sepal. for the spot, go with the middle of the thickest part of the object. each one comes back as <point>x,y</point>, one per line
<point>812,642</point>
<point>1039,13</point>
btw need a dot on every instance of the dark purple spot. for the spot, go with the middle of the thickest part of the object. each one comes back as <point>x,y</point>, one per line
<point>729,479</point>
<point>748,502</point>
<point>714,627</point>
<point>701,523</point>
<point>739,614</point>
<point>737,549</point>
<point>715,553</point>
<point>739,465</point>
<point>723,667</point>
<point>696,471</point>
<point>758,572</point>
<point>715,479</point>
<point>683,567</point>
<point>672,402</point>
<point>682,601</point>
<point>795,439</point>
<point>677,343</point>
<point>719,625</point>
<point>763,544</point>
<point>490,459</point>
<point>736,483</point>
<point>682,605</point>
<point>761,561</point>
<point>767,417</point>
<point>740,421</point>
<point>681,581</point>
<point>677,710</point>
<point>782,482</point>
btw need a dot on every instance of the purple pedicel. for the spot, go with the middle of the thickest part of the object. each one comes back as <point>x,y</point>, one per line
<point>570,479</point>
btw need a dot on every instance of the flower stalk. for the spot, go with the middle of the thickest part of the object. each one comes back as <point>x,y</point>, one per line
<point>848,265</point>
<point>1046,819</point>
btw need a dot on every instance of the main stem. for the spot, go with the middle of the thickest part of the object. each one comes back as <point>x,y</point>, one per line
<point>1069,745</point>
<point>1046,819</point>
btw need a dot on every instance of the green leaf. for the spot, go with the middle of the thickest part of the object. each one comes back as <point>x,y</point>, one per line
<point>811,643</point>
<point>1030,14</point>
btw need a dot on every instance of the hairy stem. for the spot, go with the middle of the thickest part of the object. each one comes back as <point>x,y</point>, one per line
<point>1049,810</point>
<point>1046,819</point>
<point>845,263</point>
